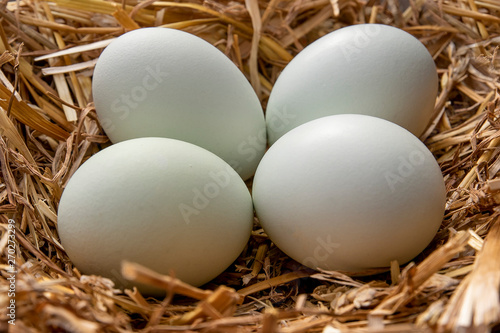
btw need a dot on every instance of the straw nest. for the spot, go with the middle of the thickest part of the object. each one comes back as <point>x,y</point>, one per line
<point>49,128</point>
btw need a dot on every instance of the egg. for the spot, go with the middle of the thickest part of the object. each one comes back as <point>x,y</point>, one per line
<point>349,192</point>
<point>163,203</point>
<point>369,69</point>
<point>161,82</point>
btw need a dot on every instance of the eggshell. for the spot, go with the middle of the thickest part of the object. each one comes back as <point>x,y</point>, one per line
<point>166,204</point>
<point>160,82</point>
<point>370,69</point>
<point>349,192</point>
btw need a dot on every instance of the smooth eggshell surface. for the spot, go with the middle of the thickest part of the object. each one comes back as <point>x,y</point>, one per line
<point>163,203</point>
<point>349,192</point>
<point>160,82</point>
<point>369,69</point>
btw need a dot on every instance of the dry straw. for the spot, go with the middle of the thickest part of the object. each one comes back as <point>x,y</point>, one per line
<point>48,128</point>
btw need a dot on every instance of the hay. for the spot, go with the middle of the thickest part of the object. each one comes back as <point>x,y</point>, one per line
<point>48,128</point>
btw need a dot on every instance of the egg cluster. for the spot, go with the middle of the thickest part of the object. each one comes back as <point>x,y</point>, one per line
<point>346,184</point>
